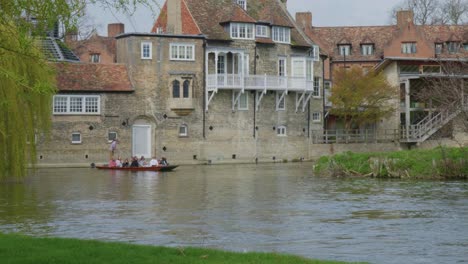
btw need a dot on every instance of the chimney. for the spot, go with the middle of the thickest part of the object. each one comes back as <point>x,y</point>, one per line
<point>405,18</point>
<point>304,20</point>
<point>174,17</point>
<point>115,29</point>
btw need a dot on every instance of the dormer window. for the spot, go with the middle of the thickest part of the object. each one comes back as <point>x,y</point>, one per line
<point>242,3</point>
<point>453,46</point>
<point>242,31</point>
<point>282,35</point>
<point>344,50</point>
<point>408,48</point>
<point>438,48</point>
<point>465,46</point>
<point>367,49</point>
<point>262,31</point>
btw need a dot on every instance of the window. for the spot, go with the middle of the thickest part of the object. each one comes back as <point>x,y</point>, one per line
<point>242,3</point>
<point>309,70</point>
<point>242,31</point>
<point>282,66</point>
<point>221,64</point>
<point>184,52</point>
<point>344,50</point>
<point>316,117</point>
<point>465,46</point>
<point>183,130</point>
<point>315,53</point>
<point>438,48</point>
<point>408,48</point>
<point>281,131</point>
<point>159,30</point>
<point>316,92</point>
<point>431,69</point>
<point>298,67</point>
<point>244,101</point>
<point>367,49</point>
<point>95,57</point>
<point>175,89</point>
<point>262,31</point>
<point>76,104</point>
<point>111,136</point>
<point>280,102</point>
<point>282,35</point>
<point>453,47</point>
<point>186,86</point>
<point>76,138</point>
<point>146,52</point>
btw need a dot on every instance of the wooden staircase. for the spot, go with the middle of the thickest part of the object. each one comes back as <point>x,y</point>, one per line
<point>433,122</point>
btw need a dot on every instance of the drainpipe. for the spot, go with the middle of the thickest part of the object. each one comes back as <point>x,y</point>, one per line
<point>323,89</point>
<point>204,88</point>
<point>255,96</point>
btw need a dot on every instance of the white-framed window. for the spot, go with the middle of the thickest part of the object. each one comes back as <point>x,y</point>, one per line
<point>309,70</point>
<point>111,135</point>
<point>183,130</point>
<point>263,31</point>
<point>315,53</point>
<point>438,48</point>
<point>242,3</point>
<point>280,102</point>
<point>316,92</point>
<point>298,66</point>
<point>316,117</point>
<point>181,51</point>
<point>159,30</point>
<point>453,46</point>
<point>281,35</point>
<point>242,31</point>
<point>408,47</point>
<point>243,101</point>
<point>221,64</point>
<point>146,50</point>
<point>76,138</point>
<point>282,70</point>
<point>95,57</point>
<point>344,50</point>
<point>281,131</point>
<point>367,49</point>
<point>76,105</point>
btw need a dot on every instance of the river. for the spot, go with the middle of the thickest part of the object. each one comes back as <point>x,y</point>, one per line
<point>268,207</point>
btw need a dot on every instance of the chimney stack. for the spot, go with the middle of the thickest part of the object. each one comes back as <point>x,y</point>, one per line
<point>405,18</point>
<point>174,17</point>
<point>304,20</point>
<point>115,29</point>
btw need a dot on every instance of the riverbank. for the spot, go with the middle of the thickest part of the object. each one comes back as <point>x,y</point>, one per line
<point>20,249</point>
<point>437,163</point>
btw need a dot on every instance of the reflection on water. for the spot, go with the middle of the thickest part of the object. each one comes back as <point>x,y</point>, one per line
<point>272,207</point>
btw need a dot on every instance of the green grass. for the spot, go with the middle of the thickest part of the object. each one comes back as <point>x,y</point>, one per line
<point>23,249</point>
<point>441,162</point>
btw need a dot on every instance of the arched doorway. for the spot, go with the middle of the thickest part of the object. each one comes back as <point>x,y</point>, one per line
<point>141,140</point>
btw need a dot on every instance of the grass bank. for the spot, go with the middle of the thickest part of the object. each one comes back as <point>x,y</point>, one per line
<point>438,163</point>
<point>23,249</point>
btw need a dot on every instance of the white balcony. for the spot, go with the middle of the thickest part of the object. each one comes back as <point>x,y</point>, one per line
<point>258,82</point>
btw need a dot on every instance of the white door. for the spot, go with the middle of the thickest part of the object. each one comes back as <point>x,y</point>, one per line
<point>141,136</point>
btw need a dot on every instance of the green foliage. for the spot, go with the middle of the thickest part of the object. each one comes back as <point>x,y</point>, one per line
<point>440,162</point>
<point>21,249</point>
<point>361,98</point>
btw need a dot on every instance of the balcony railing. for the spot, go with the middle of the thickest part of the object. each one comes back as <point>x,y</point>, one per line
<point>258,82</point>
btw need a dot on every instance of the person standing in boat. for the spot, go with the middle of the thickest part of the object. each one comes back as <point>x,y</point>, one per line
<point>113,147</point>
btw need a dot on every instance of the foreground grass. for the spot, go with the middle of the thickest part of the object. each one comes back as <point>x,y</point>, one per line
<point>438,163</point>
<point>23,249</point>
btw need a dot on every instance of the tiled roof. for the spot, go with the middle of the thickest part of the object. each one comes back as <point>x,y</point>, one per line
<point>189,26</point>
<point>92,77</point>
<point>209,15</point>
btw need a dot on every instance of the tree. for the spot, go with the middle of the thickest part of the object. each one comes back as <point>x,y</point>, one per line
<point>27,80</point>
<point>456,11</point>
<point>360,98</point>
<point>430,12</point>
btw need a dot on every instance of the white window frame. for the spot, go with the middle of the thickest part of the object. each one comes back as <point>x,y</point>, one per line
<point>367,49</point>
<point>453,47</point>
<point>281,35</point>
<point>239,106</point>
<point>316,117</point>
<point>282,61</point>
<point>315,53</point>
<point>438,48</point>
<point>222,70</point>
<point>242,3</point>
<point>93,57</point>
<point>175,52</point>
<point>280,106</point>
<point>344,49</point>
<point>83,106</point>
<point>262,31</point>
<point>317,87</point>
<point>245,29</point>
<point>109,139</point>
<point>409,47</point>
<point>294,72</point>
<point>185,132</point>
<point>281,131</point>
<point>145,44</point>
<point>76,141</point>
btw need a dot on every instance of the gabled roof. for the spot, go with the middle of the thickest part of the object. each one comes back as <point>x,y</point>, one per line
<point>92,77</point>
<point>189,26</point>
<point>210,15</point>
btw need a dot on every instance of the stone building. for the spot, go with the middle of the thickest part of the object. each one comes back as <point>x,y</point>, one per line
<point>409,55</point>
<point>216,81</point>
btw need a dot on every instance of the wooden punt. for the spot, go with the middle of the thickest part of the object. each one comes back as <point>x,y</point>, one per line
<point>154,168</point>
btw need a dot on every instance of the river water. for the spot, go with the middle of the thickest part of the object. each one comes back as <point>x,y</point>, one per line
<point>269,207</point>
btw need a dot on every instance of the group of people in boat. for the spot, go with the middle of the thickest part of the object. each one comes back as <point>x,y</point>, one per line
<point>135,161</point>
